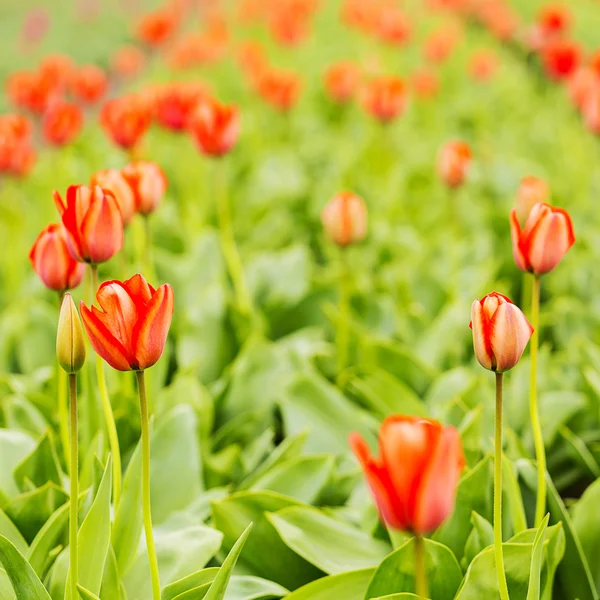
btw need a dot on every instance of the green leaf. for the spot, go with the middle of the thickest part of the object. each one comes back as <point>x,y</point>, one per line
<point>111,579</point>
<point>397,572</point>
<point>556,409</point>
<point>40,465</point>
<point>49,536</point>
<point>246,587</point>
<point>196,580</point>
<point>6,588</point>
<point>24,581</point>
<point>586,526</point>
<point>481,536</point>
<point>351,585</point>
<point>331,545</point>
<point>535,571</point>
<point>14,447</point>
<point>400,596</point>
<point>219,585</point>
<point>86,594</point>
<point>233,514</point>
<point>9,530</point>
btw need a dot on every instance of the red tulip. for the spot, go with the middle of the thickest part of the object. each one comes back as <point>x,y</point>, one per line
<point>155,28</point>
<point>130,331</point>
<point>500,332</point>
<point>531,191</point>
<point>591,110</point>
<point>425,84</point>
<point>89,84</point>
<point>114,181</point>
<point>58,69</point>
<point>126,120</point>
<point>441,43</point>
<point>215,127</point>
<point>62,122</point>
<point>555,19</point>
<point>128,61</point>
<point>30,91</point>
<point>175,103</point>
<point>341,81</point>
<point>93,222</point>
<point>280,89</point>
<point>583,83</point>
<point>344,219</point>
<point>483,65</point>
<point>394,26</point>
<point>148,183</point>
<point>561,58</point>
<point>53,263</point>
<point>414,480</point>
<point>454,161</point>
<point>16,152</point>
<point>546,238</point>
<point>384,97</point>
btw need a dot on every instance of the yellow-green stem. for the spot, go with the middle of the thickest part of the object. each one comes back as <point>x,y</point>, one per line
<point>343,328</point>
<point>109,418</point>
<point>147,510</point>
<point>420,568</point>
<point>538,438</point>
<point>228,245</point>
<point>500,573</point>
<point>63,403</point>
<point>74,489</point>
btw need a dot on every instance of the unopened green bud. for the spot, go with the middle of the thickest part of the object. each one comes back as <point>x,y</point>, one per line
<point>70,344</point>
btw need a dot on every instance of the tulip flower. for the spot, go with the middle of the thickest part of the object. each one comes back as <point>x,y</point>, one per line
<point>500,334</point>
<point>582,84</point>
<point>130,334</point>
<point>155,28</point>
<point>115,181</point>
<point>70,345</point>
<point>148,184</point>
<point>483,65</point>
<point>344,219</point>
<point>561,58</point>
<point>531,191</point>
<point>424,84</point>
<point>555,19</point>
<point>215,127</point>
<point>59,69</point>
<point>17,155</point>
<point>126,120</point>
<point>394,26</point>
<point>453,164</point>
<point>280,89</point>
<point>52,261</point>
<point>89,84</point>
<point>546,238</point>
<point>30,91</point>
<point>175,103</point>
<point>341,81</point>
<point>62,122</point>
<point>384,97</point>
<point>92,219</point>
<point>415,478</point>
<point>128,61</point>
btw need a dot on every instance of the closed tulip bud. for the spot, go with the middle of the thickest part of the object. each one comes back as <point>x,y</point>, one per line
<point>130,331</point>
<point>53,263</point>
<point>500,332</point>
<point>341,81</point>
<point>70,345</point>
<point>385,97</point>
<point>93,222</point>
<point>344,219</point>
<point>148,183</point>
<point>454,161</point>
<point>531,191</point>
<point>114,181</point>
<point>215,127</point>
<point>415,478</point>
<point>546,238</point>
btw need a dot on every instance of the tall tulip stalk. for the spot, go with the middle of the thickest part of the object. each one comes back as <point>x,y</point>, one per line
<point>129,333</point>
<point>414,480</point>
<point>500,334</point>
<point>537,249</point>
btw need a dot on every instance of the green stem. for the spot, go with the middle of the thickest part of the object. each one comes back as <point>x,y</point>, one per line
<point>343,328</point>
<point>228,245</point>
<point>540,453</point>
<point>500,573</point>
<point>63,403</point>
<point>420,568</point>
<point>109,418</point>
<point>146,485</point>
<point>74,490</point>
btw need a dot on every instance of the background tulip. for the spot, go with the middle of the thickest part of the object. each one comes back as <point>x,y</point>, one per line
<point>52,261</point>
<point>215,127</point>
<point>414,480</point>
<point>70,344</point>
<point>93,222</point>
<point>130,331</point>
<point>384,97</point>
<point>453,164</point>
<point>344,219</point>
<point>500,332</point>
<point>546,238</point>
<point>148,183</point>
<point>531,191</point>
<point>115,181</point>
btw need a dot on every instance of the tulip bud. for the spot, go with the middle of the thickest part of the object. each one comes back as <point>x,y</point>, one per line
<point>70,345</point>
<point>341,81</point>
<point>215,127</point>
<point>344,219</point>
<point>454,161</point>
<point>500,332</point>
<point>546,238</point>
<point>385,97</point>
<point>531,191</point>
<point>148,183</point>
<point>114,180</point>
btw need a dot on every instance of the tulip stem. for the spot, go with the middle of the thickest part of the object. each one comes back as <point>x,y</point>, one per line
<point>343,327</point>
<point>63,402</point>
<point>420,568</point>
<point>109,418</point>
<point>500,573</point>
<point>74,489</point>
<point>228,245</point>
<point>540,452</point>
<point>146,485</point>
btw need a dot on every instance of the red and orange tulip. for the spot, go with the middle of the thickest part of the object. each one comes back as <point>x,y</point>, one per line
<point>561,58</point>
<point>454,161</point>
<point>62,122</point>
<point>215,127</point>
<point>415,478</point>
<point>126,120</point>
<point>344,219</point>
<point>341,81</point>
<point>531,191</point>
<point>115,181</point>
<point>148,183</point>
<point>385,97</point>
<point>130,330</point>
<point>89,84</point>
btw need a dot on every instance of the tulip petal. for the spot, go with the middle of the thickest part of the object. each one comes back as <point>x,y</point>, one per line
<point>481,336</point>
<point>436,495</point>
<point>550,241</point>
<point>150,332</point>
<point>515,234</point>
<point>139,289</point>
<point>74,242</point>
<point>102,228</point>
<point>120,310</point>
<point>510,332</point>
<point>60,203</point>
<point>379,483</point>
<point>102,340</point>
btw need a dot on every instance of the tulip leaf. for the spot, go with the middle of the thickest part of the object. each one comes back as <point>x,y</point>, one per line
<point>196,580</point>
<point>535,570</point>
<point>49,536</point>
<point>40,466</point>
<point>25,582</point>
<point>331,545</point>
<point>14,447</point>
<point>86,594</point>
<point>9,530</point>
<point>246,587</point>
<point>481,536</point>
<point>350,585</point>
<point>397,571</point>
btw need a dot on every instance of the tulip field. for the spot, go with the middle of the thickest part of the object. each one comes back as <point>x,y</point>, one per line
<point>300,299</point>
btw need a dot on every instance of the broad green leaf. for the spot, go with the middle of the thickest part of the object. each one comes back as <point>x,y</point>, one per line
<point>397,572</point>
<point>40,465</point>
<point>219,585</point>
<point>331,545</point>
<point>586,526</point>
<point>111,579</point>
<point>14,447</point>
<point>86,594</point>
<point>481,536</point>
<point>399,596</point>
<point>9,530</point>
<point>233,514</point>
<point>23,415</point>
<point>246,587</point>
<point>6,588</point>
<point>199,579</point>
<point>24,581</point>
<point>351,585</point>
<point>51,535</point>
<point>556,409</point>
<point>535,571</point>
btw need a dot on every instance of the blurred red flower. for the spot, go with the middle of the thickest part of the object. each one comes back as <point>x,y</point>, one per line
<point>17,155</point>
<point>483,64</point>
<point>30,91</point>
<point>175,102</point>
<point>342,81</point>
<point>394,26</point>
<point>62,122</point>
<point>215,127</point>
<point>561,57</point>
<point>126,119</point>
<point>279,88</point>
<point>425,84</point>
<point>155,28</point>
<point>128,61</point>
<point>384,97</point>
<point>454,161</point>
<point>89,84</point>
